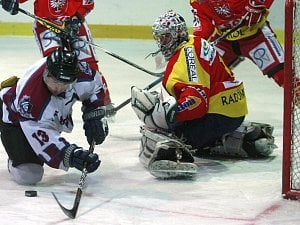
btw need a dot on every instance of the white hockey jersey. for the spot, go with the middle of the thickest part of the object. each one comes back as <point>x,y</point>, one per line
<point>42,116</point>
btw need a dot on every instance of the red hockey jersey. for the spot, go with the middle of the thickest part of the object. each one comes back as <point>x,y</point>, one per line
<point>223,15</point>
<point>59,9</point>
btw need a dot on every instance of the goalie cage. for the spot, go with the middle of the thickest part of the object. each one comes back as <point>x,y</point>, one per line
<point>291,124</point>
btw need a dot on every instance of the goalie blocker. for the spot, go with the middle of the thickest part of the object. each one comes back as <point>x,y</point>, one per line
<point>166,156</point>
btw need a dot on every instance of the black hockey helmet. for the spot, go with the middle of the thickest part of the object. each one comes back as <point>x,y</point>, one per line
<point>63,65</point>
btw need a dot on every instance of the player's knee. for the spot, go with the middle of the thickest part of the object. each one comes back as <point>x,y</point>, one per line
<point>27,173</point>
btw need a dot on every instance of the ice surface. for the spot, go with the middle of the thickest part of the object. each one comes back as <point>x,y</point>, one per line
<point>122,192</point>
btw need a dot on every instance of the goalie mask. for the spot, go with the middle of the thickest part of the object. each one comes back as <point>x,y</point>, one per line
<point>63,65</point>
<point>169,30</point>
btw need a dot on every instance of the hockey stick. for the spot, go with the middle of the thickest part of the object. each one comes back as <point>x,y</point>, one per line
<point>71,213</point>
<point>60,30</point>
<point>222,37</point>
<point>114,110</point>
<point>57,29</point>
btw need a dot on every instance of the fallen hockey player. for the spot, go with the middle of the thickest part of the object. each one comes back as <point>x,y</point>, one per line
<point>203,113</point>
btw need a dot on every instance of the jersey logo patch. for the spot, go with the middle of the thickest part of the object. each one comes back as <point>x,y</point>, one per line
<point>222,9</point>
<point>25,107</point>
<point>262,56</point>
<point>208,52</point>
<point>233,97</point>
<point>190,62</point>
<point>189,104</point>
<point>57,7</point>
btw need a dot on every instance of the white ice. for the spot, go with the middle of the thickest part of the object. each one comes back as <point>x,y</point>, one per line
<point>122,192</point>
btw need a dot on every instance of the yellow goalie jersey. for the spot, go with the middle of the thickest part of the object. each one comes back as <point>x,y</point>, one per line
<point>201,83</point>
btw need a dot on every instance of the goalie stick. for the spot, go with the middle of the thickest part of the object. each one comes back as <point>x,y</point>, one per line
<point>71,213</point>
<point>60,30</point>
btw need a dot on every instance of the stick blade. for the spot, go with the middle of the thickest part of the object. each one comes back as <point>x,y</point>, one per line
<point>71,213</point>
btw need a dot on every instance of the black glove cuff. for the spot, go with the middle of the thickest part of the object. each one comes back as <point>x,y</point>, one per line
<point>95,113</point>
<point>68,152</point>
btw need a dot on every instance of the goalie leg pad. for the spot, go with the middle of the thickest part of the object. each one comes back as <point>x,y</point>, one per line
<point>230,145</point>
<point>249,140</point>
<point>165,156</point>
<point>260,142</point>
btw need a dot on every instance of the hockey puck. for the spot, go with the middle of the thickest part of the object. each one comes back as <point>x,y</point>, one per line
<point>30,193</point>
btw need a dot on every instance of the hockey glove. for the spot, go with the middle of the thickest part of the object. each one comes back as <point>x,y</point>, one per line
<point>11,6</point>
<point>72,26</point>
<point>254,12</point>
<point>78,157</point>
<point>152,110</point>
<point>95,125</point>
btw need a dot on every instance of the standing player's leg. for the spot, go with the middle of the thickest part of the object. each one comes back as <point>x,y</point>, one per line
<point>266,52</point>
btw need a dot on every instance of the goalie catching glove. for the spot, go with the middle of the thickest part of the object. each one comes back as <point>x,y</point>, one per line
<point>152,110</point>
<point>95,124</point>
<point>80,158</point>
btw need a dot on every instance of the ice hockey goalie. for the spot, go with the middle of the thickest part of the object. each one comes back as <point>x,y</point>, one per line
<point>167,155</point>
